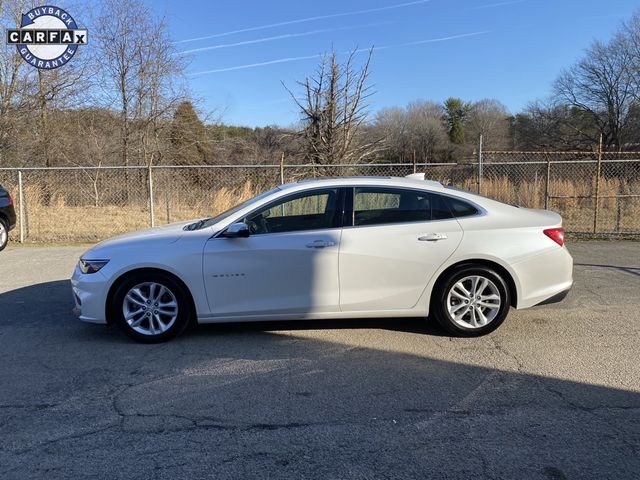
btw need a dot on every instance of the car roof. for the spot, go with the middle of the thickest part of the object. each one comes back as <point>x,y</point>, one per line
<point>366,181</point>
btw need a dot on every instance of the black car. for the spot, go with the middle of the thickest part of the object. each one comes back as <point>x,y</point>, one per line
<point>7,217</point>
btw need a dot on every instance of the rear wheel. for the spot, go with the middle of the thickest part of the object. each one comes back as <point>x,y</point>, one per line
<point>4,234</point>
<point>151,307</point>
<point>472,301</point>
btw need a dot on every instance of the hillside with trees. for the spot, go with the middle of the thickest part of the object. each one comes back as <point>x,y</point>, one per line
<point>126,101</point>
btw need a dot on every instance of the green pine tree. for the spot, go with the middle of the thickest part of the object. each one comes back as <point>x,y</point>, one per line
<point>456,112</point>
<point>188,136</point>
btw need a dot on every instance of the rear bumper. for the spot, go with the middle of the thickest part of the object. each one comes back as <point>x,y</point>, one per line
<point>557,298</point>
<point>544,277</point>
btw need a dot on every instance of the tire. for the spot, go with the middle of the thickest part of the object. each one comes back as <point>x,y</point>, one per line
<point>4,234</point>
<point>465,315</point>
<point>164,307</point>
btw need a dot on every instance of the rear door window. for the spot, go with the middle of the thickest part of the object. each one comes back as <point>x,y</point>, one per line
<point>380,205</point>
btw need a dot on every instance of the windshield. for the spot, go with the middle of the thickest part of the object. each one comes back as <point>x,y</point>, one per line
<point>207,222</point>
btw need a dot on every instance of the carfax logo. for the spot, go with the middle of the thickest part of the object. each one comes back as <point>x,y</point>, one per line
<point>48,37</point>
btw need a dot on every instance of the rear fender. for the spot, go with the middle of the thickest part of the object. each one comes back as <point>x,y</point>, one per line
<point>425,299</point>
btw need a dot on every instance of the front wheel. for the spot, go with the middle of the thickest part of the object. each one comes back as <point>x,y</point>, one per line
<point>151,307</point>
<point>472,301</point>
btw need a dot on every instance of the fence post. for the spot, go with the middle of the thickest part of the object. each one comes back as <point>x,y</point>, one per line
<point>546,184</point>
<point>415,166</point>
<point>598,169</point>
<point>21,206</point>
<point>166,202</point>
<point>480,165</point>
<point>152,217</point>
<point>282,169</point>
<point>618,210</point>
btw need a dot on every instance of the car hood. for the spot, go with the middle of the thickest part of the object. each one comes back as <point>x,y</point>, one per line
<point>165,234</point>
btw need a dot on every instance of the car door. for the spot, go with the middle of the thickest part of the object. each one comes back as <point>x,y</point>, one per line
<point>392,244</point>
<point>288,264</point>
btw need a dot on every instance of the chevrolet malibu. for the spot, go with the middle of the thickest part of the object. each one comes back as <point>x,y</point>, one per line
<point>333,248</point>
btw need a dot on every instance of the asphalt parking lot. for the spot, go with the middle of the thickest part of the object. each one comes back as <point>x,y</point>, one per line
<point>553,394</point>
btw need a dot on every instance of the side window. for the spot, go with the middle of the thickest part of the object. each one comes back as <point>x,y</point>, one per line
<point>439,208</point>
<point>376,206</point>
<point>308,211</point>
<point>460,208</point>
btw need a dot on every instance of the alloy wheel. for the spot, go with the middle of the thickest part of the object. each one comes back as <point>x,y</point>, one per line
<point>473,302</point>
<point>150,308</point>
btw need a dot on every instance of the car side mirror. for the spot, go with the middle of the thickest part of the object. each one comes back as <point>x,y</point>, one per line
<point>237,230</point>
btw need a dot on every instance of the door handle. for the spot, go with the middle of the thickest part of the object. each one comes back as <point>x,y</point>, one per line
<point>433,237</point>
<point>320,244</point>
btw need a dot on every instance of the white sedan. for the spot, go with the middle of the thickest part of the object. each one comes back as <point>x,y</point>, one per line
<point>335,248</point>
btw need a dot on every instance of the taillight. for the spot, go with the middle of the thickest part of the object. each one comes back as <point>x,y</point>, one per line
<point>555,234</point>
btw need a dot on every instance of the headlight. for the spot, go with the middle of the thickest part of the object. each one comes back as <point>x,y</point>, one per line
<point>91,266</point>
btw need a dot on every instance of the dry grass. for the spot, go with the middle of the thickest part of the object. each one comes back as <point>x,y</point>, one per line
<point>52,220</point>
<point>58,222</point>
<point>577,209</point>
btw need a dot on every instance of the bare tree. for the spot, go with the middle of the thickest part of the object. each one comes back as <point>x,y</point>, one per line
<point>13,76</point>
<point>415,132</point>
<point>553,125</point>
<point>601,85</point>
<point>158,91</point>
<point>139,72</point>
<point>12,72</point>
<point>391,124</point>
<point>95,139</point>
<point>56,89</point>
<point>118,32</point>
<point>489,118</point>
<point>629,38</point>
<point>427,132</point>
<point>334,111</point>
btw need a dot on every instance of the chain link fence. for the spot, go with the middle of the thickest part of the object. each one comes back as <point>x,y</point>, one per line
<point>595,193</point>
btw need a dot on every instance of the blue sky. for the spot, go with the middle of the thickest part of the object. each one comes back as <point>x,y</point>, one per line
<point>430,49</point>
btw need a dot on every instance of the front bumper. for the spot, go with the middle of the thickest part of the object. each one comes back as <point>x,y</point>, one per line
<point>89,295</point>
